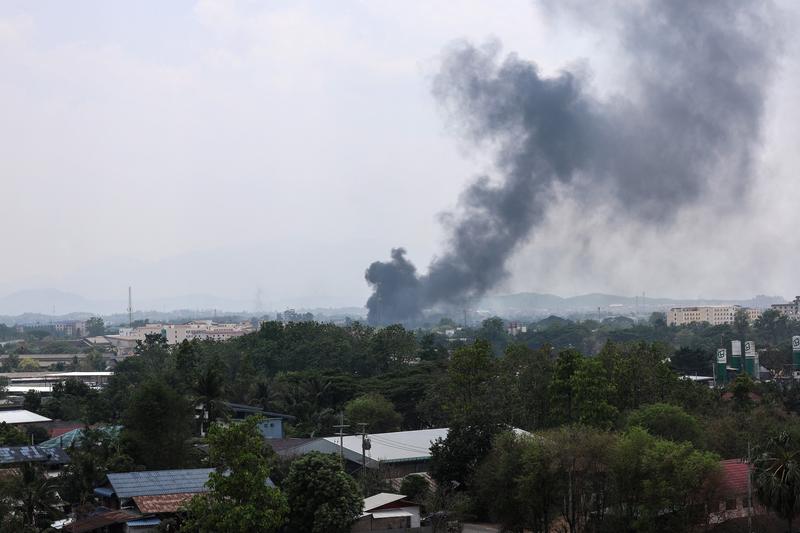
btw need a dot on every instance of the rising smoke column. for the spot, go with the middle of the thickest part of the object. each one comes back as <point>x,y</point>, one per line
<point>689,122</point>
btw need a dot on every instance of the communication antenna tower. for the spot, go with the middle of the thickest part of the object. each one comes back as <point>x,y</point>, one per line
<point>130,308</point>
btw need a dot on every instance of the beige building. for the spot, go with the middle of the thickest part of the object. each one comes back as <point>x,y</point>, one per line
<point>197,329</point>
<point>790,310</point>
<point>713,314</point>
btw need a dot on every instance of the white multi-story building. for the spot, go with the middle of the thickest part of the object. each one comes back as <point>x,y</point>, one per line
<point>197,329</point>
<point>790,310</point>
<point>713,314</point>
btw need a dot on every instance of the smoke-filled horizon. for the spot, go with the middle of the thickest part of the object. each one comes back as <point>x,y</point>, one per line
<point>686,130</point>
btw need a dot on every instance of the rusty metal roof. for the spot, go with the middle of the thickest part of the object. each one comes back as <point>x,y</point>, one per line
<point>162,503</point>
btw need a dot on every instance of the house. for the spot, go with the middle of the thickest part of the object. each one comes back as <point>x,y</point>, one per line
<point>102,520</point>
<point>10,455</point>
<point>271,427</point>
<point>153,494</point>
<point>734,494</point>
<point>397,454</point>
<point>386,511</point>
<point>74,436</point>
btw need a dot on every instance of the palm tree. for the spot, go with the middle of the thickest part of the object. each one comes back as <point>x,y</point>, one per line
<point>777,477</point>
<point>36,498</point>
<point>208,391</point>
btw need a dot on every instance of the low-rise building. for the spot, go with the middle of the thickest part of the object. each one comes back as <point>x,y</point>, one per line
<point>386,511</point>
<point>735,499</point>
<point>789,310</point>
<point>716,315</point>
<point>395,454</point>
<point>177,333</point>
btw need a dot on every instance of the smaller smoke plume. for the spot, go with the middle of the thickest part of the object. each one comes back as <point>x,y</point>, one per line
<point>690,121</point>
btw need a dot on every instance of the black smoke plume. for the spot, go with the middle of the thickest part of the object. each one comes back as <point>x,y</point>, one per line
<point>687,125</point>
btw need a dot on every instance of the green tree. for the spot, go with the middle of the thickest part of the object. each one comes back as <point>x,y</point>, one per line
<point>32,401</point>
<point>208,390</point>
<point>524,382</point>
<point>667,421</point>
<point>741,324</point>
<point>592,390</point>
<point>562,387</point>
<point>456,457</point>
<point>415,487</point>
<point>93,362</point>
<point>11,435</point>
<point>36,497</point>
<point>392,347</point>
<point>94,454</point>
<point>322,497</point>
<point>581,457</point>
<point>95,326</point>
<point>494,332</point>
<point>11,362</point>
<point>662,485</point>
<point>157,424</point>
<point>28,364</point>
<point>772,327</point>
<point>240,498</point>
<point>777,476</point>
<point>469,383</point>
<point>517,483</point>
<point>375,411</point>
<point>431,348</point>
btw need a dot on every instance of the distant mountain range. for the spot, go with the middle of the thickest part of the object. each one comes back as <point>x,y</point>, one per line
<point>44,305</point>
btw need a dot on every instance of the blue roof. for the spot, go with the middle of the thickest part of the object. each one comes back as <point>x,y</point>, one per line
<point>154,482</point>
<point>143,522</point>
<point>26,454</point>
<point>104,491</point>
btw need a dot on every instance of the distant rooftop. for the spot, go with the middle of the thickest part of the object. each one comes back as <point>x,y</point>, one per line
<point>394,446</point>
<point>156,482</point>
<point>21,416</point>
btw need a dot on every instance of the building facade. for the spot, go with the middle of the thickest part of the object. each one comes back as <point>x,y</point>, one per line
<point>713,314</point>
<point>196,329</point>
<point>790,310</point>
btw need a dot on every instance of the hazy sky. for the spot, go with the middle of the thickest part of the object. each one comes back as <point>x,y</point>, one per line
<point>219,147</point>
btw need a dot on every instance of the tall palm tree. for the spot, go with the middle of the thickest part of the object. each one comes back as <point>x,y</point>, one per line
<point>36,497</point>
<point>777,477</point>
<point>208,391</point>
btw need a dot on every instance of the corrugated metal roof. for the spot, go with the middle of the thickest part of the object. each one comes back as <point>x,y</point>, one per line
<point>75,436</point>
<point>390,514</point>
<point>381,499</point>
<point>162,503</point>
<point>100,519</point>
<point>143,522</point>
<point>21,416</point>
<point>37,454</point>
<point>394,447</point>
<point>129,484</point>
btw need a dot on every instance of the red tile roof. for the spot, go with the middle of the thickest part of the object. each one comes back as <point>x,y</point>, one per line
<point>162,503</point>
<point>734,477</point>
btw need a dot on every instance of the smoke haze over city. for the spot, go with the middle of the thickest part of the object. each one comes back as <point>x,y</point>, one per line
<point>221,149</point>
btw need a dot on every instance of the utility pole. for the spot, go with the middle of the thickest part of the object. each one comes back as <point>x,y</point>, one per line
<point>340,426</point>
<point>365,445</point>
